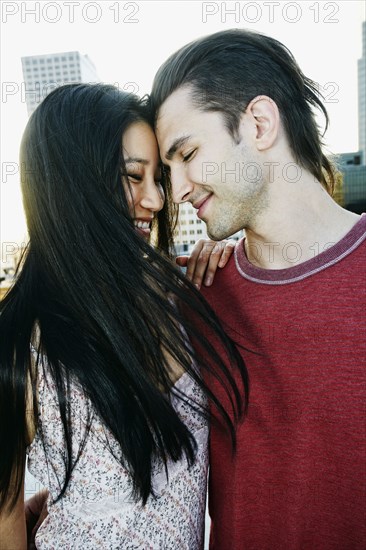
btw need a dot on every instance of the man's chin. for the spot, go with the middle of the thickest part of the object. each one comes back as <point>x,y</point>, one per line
<point>218,233</point>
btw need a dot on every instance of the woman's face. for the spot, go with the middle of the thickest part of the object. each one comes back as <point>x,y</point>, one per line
<point>144,193</point>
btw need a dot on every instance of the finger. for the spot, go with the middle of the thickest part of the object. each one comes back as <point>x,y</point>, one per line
<point>213,263</point>
<point>198,259</point>
<point>206,264</point>
<point>227,252</point>
<point>181,260</point>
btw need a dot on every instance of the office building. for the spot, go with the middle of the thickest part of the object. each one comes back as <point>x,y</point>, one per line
<point>362,96</point>
<point>353,169</point>
<point>189,228</point>
<point>353,165</point>
<point>44,73</point>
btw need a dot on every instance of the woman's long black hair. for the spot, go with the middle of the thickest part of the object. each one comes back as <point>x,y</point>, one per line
<point>100,298</point>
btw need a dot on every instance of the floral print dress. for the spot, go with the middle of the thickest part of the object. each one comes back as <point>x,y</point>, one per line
<point>97,510</point>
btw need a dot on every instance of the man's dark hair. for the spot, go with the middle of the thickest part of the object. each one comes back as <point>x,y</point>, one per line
<point>226,70</point>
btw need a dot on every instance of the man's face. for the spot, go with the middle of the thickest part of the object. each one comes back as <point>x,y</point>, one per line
<point>220,176</point>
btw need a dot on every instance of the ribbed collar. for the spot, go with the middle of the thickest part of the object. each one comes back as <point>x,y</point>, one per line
<point>321,261</point>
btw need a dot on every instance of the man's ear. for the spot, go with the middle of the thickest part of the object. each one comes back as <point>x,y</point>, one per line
<point>264,113</point>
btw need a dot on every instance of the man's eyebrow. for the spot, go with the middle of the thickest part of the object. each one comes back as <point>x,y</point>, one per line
<point>136,160</point>
<point>179,142</point>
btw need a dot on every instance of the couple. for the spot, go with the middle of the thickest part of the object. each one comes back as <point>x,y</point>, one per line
<point>127,359</point>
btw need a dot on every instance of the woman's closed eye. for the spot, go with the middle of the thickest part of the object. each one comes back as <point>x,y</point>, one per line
<point>187,157</point>
<point>135,177</point>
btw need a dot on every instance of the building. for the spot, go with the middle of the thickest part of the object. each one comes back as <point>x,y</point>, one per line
<point>362,96</point>
<point>353,165</point>
<point>345,160</point>
<point>8,266</point>
<point>44,73</point>
<point>189,228</point>
<point>354,181</point>
<point>353,169</point>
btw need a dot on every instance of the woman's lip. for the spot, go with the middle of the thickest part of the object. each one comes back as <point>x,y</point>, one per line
<point>148,220</point>
<point>144,232</point>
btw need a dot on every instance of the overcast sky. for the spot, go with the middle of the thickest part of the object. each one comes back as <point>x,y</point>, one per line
<point>127,41</point>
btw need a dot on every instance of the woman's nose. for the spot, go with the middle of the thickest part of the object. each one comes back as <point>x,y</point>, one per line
<point>153,196</point>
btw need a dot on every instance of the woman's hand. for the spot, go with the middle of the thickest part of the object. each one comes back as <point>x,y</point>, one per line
<point>204,260</point>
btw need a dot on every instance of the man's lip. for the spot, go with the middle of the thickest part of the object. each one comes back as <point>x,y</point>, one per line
<point>200,203</point>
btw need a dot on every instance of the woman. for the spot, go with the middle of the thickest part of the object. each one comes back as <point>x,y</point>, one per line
<point>99,384</point>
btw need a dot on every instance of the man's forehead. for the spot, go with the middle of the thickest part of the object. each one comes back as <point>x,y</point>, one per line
<point>176,105</point>
<point>175,117</point>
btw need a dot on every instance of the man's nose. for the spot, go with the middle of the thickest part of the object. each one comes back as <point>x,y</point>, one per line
<point>182,187</point>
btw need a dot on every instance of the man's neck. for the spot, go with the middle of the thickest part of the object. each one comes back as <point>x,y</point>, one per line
<point>301,221</point>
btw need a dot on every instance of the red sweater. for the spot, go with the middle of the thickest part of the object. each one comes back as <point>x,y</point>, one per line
<point>297,480</point>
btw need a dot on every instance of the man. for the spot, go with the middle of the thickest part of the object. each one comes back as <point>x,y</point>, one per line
<point>237,133</point>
